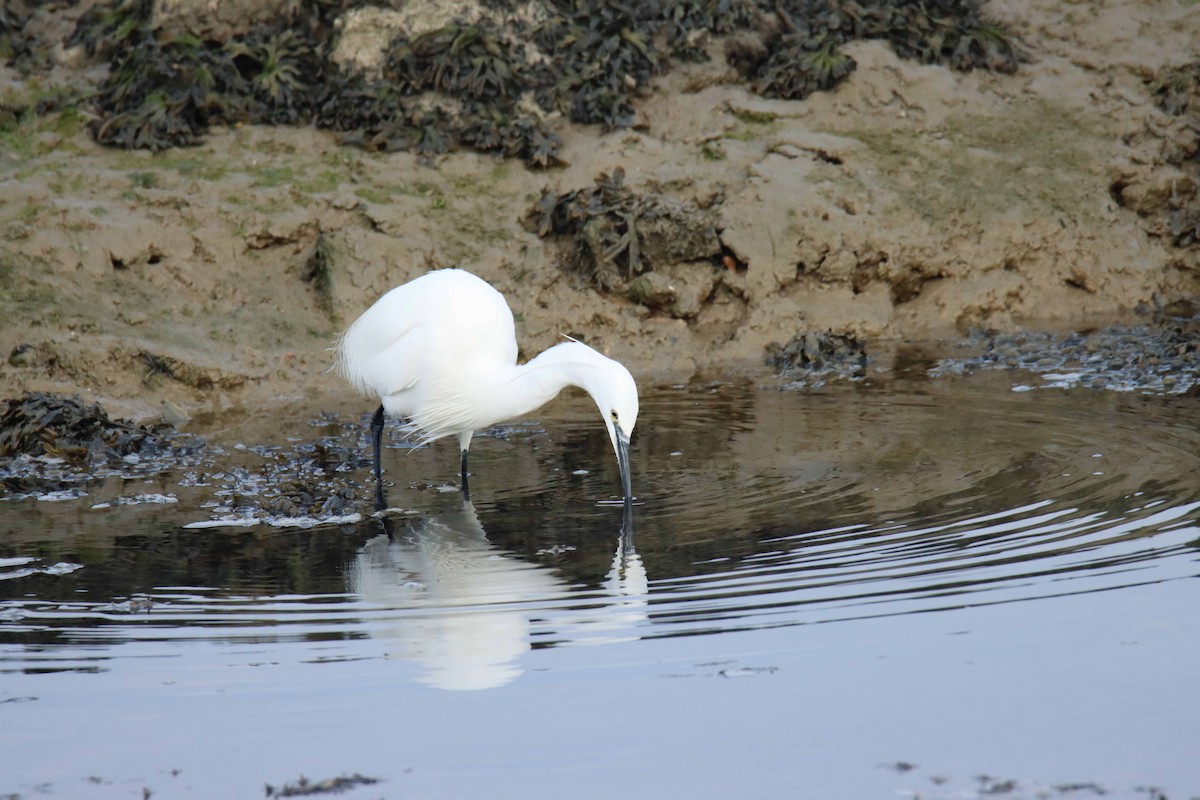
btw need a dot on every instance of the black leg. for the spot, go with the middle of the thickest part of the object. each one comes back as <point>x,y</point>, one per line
<point>466,490</point>
<point>388,527</point>
<point>377,444</point>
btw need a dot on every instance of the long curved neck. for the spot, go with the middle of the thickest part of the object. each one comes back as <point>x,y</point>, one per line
<point>530,386</point>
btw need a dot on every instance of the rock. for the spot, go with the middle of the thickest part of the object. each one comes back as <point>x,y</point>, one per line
<point>22,355</point>
<point>677,232</point>
<point>653,290</point>
<point>679,289</point>
<point>215,20</point>
<point>363,37</point>
<point>173,415</point>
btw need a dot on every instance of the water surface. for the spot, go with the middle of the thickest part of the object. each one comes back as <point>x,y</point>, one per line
<point>929,587</point>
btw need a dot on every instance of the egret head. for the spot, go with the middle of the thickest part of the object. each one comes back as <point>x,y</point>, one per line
<point>616,396</point>
<point>608,382</point>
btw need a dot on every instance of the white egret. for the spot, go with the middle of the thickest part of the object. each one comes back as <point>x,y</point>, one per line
<point>440,352</point>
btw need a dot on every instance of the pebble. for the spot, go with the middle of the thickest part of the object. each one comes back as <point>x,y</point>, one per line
<point>21,355</point>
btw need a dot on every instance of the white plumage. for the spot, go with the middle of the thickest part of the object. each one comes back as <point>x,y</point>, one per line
<point>440,353</point>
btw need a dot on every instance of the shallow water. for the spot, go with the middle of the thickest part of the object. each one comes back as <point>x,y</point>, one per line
<point>872,589</point>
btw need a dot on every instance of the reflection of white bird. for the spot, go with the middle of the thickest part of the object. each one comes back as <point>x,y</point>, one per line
<point>467,611</point>
<point>465,619</point>
<point>440,352</point>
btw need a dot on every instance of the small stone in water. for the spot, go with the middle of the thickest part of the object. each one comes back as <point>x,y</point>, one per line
<point>62,568</point>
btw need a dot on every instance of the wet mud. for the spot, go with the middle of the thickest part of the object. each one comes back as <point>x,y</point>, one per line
<point>907,199</point>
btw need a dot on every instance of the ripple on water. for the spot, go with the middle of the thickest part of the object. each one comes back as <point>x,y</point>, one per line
<point>758,509</point>
<point>852,503</point>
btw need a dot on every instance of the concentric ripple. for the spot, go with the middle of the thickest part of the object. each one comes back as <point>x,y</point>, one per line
<point>852,503</point>
<point>756,509</point>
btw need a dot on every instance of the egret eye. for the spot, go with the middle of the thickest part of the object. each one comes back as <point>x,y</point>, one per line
<point>614,416</point>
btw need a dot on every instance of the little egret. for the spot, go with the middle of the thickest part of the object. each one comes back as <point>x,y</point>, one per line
<point>440,352</point>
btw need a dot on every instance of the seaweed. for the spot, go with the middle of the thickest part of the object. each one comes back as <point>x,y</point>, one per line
<point>491,83</point>
<point>351,102</point>
<point>685,24</point>
<point>1178,89</point>
<point>818,354</point>
<point>12,33</point>
<point>38,424</point>
<point>600,54</point>
<point>461,60</point>
<point>521,136</point>
<point>978,43</point>
<point>279,71</point>
<point>108,29</point>
<point>160,96</point>
<point>475,82</point>
<point>382,119</point>
<point>797,48</point>
<point>168,95</point>
<point>617,234</point>
<point>19,48</point>
<point>795,71</point>
<point>602,222</point>
<point>486,71</point>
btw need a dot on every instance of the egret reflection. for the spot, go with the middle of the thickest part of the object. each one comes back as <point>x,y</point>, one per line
<point>467,610</point>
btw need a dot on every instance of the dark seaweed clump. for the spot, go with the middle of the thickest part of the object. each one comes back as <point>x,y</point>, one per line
<point>1178,93</point>
<point>793,49</point>
<point>599,54</point>
<point>480,67</point>
<point>17,48</point>
<point>489,84</point>
<point>812,356</point>
<point>1162,357</point>
<point>1178,90</point>
<point>83,435</point>
<point>617,234</point>
<point>165,95</point>
<point>303,480</point>
<point>109,28</point>
<point>50,443</point>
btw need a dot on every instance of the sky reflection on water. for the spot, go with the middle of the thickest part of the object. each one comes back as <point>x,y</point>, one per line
<point>764,633</point>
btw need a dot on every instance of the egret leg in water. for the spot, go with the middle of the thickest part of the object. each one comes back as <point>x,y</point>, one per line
<point>440,352</point>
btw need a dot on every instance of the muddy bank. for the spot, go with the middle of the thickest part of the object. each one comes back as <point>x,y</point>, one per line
<point>297,464</point>
<point>913,201</point>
